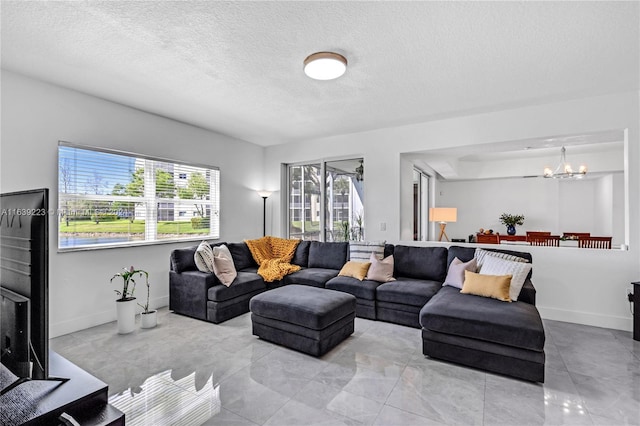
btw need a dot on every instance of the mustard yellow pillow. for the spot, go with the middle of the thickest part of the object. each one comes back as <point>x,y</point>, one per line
<point>494,286</point>
<point>356,270</point>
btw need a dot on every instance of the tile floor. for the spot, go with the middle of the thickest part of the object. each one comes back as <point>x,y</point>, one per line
<point>190,372</point>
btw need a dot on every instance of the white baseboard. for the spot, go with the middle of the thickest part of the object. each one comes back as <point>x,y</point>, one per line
<point>587,318</point>
<point>80,323</point>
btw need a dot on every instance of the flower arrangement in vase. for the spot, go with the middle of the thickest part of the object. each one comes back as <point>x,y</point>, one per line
<point>510,221</point>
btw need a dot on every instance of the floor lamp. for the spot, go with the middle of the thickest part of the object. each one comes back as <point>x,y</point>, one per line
<point>264,195</point>
<point>443,215</point>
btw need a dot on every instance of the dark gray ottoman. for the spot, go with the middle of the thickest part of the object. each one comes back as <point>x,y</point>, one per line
<point>308,319</point>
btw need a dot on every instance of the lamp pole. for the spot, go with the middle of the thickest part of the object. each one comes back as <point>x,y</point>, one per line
<point>264,195</point>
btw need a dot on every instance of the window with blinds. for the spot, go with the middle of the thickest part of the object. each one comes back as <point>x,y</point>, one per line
<point>108,198</point>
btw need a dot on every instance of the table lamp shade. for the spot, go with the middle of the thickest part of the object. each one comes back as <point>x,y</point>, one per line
<point>443,214</point>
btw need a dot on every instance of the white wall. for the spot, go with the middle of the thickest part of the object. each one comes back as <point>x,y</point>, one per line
<point>585,286</point>
<point>36,115</point>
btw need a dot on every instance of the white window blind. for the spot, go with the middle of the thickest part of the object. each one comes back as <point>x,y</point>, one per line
<point>108,198</point>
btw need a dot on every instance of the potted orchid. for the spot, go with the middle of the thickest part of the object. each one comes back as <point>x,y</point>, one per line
<point>148,318</point>
<point>126,304</point>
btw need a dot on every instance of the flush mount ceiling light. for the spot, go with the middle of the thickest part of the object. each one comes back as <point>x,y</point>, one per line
<point>564,170</point>
<point>325,65</point>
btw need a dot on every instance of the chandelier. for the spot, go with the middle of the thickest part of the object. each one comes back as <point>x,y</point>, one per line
<point>564,170</point>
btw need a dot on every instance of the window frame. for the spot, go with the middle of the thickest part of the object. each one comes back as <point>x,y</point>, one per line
<point>212,205</point>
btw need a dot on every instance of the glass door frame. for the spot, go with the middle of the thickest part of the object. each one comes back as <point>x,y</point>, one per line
<point>286,179</point>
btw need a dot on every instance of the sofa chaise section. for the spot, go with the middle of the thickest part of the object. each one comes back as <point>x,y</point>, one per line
<point>502,337</point>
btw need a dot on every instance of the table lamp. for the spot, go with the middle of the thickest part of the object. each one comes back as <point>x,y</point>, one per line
<point>443,215</point>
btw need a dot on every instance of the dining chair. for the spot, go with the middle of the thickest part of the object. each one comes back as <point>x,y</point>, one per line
<point>545,240</point>
<point>537,234</point>
<point>595,242</point>
<point>487,239</point>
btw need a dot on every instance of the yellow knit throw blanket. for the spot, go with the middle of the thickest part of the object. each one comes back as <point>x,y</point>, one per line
<point>274,256</point>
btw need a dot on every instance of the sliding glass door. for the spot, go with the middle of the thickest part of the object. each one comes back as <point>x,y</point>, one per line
<point>326,200</point>
<point>304,201</point>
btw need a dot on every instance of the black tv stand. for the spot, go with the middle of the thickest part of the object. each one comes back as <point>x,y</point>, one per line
<point>80,395</point>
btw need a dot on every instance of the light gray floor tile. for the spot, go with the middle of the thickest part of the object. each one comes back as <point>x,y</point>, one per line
<point>295,413</point>
<point>509,401</point>
<point>614,399</point>
<point>250,399</point>
<point>442,392</point>
<point>391,416</point>
<point>351,408</point>
<point>222,374</point>
<point>227,418</point>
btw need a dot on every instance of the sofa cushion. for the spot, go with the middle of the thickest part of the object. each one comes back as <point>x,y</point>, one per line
<point>301,256</point>
<point>327,255</point>
<point>388,249</point>
<point>515,324</point>
<point>427,263</point>
<point>312,308</point>
<point>365,289</point>
<point>315,277</point>
<point>408,291</point>
<point>245,282</point>
<point>242,258</point>
<point>182,259</point>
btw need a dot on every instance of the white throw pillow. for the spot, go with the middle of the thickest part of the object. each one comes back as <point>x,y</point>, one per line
<point>518,270</point>
<point>480,255</point>
<point>204,257</point>
<point>223,265</point>
<point>360,251</point>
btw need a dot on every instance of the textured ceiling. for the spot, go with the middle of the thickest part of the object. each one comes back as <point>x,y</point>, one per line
<point>236,67</point>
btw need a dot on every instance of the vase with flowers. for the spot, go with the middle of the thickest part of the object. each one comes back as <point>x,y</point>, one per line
<point>510,221</point>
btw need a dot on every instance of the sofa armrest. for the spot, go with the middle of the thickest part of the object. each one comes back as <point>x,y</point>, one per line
<point>188,292</point>
<point>528,293</point>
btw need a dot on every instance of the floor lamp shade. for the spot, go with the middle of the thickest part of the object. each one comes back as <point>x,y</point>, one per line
<point>443,215</point>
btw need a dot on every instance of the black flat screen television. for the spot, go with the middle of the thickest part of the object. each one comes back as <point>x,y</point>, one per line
<point>24,278</point>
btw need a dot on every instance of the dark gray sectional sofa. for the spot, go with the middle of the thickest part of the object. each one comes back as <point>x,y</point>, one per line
<point>507,338</point>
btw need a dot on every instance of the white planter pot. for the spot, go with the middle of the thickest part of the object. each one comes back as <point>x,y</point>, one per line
<point>126,312</point>
<point>149,319</point>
